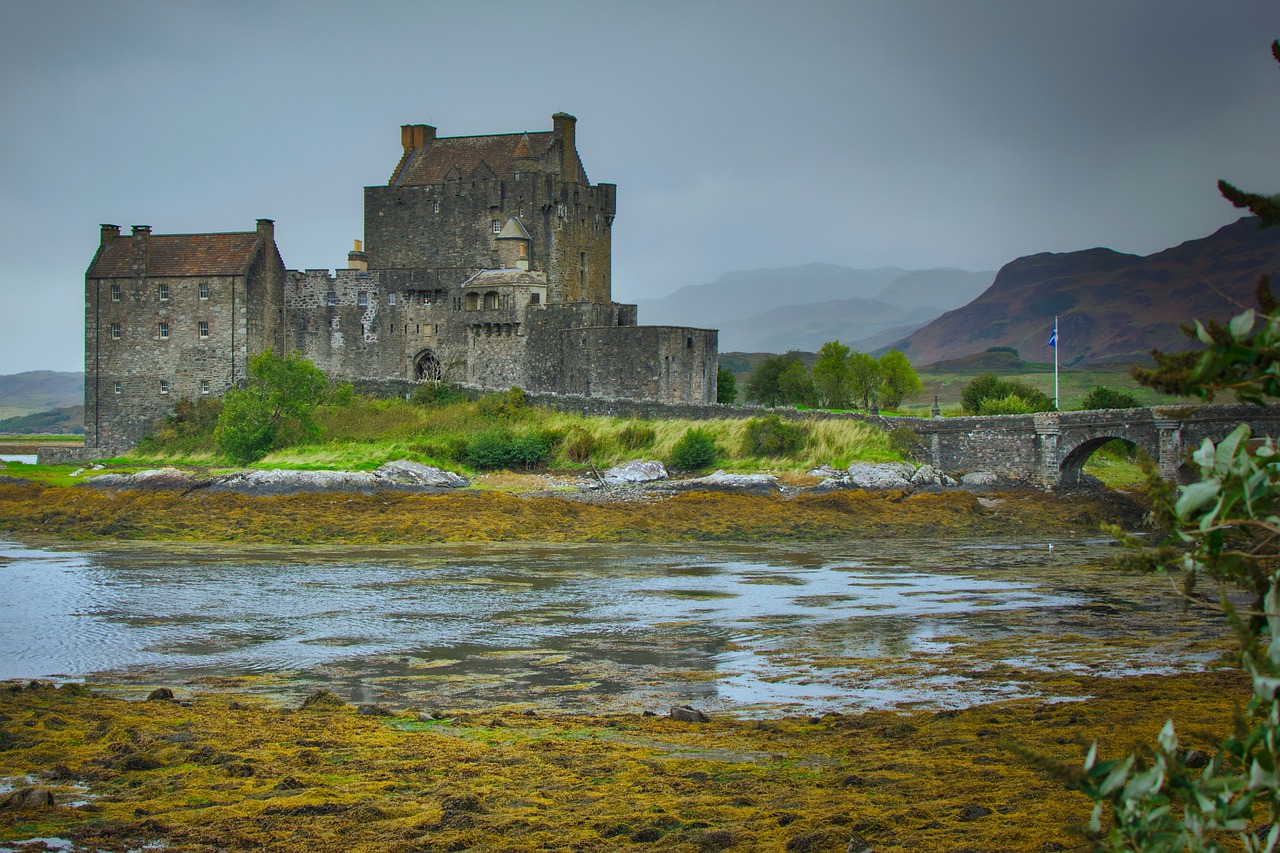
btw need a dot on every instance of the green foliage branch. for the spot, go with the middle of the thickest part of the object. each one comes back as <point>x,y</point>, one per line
<point>988,394</point>
<point>1224,526</point>
<point>1102,397</point>
<point>276,407</point>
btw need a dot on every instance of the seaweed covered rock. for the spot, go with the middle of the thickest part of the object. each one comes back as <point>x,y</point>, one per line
<point>323,700</point>
<point>27,798</point>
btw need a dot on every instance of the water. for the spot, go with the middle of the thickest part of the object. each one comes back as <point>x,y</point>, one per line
<point>24,458</point>
<point>754,629</point>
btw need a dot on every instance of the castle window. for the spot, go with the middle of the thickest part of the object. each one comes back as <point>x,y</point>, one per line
<point>164,331</point>
<point>688,343</point>
<point>116,332</point>
<point>119,387</point>
<point>491,300</point>
<point>115,293</point>
<point>333,298</point>
<point>497,227</point>
<point>362,299</point>
<point>164,293</point>
<point>202,328</point>
<point>391,299</point>
<point>164,386</point>
<point>204,386</point>
<point>204,290</point>
<point>473,301</point>
<point>535,298</point>
<point>582,273</point>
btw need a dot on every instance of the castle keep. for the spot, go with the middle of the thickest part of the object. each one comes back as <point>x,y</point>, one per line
<point>486,262</point>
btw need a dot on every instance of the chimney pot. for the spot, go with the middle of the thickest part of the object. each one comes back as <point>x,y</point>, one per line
<point>109,233</point>
<point>267,229</point>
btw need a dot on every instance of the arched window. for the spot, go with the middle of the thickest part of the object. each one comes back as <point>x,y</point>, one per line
<point>491,300</point>
<point>473,301</point>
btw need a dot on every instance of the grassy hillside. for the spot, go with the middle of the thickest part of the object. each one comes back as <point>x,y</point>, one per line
<point>39,391</point>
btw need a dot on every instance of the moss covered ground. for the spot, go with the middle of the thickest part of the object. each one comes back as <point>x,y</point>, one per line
<point>482,516</point>
<point>219,772</point>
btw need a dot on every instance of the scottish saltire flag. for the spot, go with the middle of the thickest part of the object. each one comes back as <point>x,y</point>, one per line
<point>1053,338</point>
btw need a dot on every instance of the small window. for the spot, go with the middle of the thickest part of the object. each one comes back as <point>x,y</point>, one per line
<point>203,328</point>
<point>164,293</point>
<point>688,343</point>
<point>115,331</point>
<point>391,299</point>
<point>497,227</point>
<point>119,386</point>
<point>535,298</point>
<point>363,299</point>
<point>164,386</point>
<point>204,290</point>
<point>333,297</point>
<point>115,293</point>
<point>204,386</point>
<point>164,331</point>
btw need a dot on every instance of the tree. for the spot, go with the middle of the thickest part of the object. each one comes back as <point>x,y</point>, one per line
<point>898,379</point>
<point>763,386</point>
<point>1102,397</point>
<point>274,408</point>
<point>1225,526</point>
<point>726,386</point>
<point>864,378</point>
<point>796,385</point>
<point>988,394</point>
<point>832,384</point>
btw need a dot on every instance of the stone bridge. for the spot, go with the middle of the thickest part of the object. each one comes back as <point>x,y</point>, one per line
<point>1051,448</point>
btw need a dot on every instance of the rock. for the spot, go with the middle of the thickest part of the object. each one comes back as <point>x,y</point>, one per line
<point>884,475</point>
<point>979,478</point>
<point>685,714</point>
<point>635,471</point>
<point>155,479</point>
<point>721,482</point>
<point>925,475</point>
<point>371,710</point>
<point>947,481</point>
<point>404,472</point>
<point>27,798</point>
<point>829,473</point>
<point>323,700</point>
<point>160,694</point>
<point>464,803</point>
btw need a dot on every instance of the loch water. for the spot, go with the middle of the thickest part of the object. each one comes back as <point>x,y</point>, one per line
<point>755,629</point>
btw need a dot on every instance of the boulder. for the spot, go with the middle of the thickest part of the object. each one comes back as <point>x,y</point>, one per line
<point>154,479</point>
<point>323,700</point>
<point>685,714</point>
<point>372,710</point>
<point>27,798</point>
<point>883,475</point>
<point>925,475</point>
<point>406,473</point>
<point>979,478</point>
<point>722,482</point>
<point>635,471</point>
<point>160,694</point>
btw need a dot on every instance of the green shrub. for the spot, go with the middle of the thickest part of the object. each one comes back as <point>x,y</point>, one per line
<point>509,405</point>
<point>1010,404</point>
<point>637,436</point>
<point>988,394</point>
<point>435,394</point>
<point>1102,397</point>
<point>493,448</point>
<point>905,442</point>
<point>772,436</point>
<point>696,449</point>
<point>578,445</point>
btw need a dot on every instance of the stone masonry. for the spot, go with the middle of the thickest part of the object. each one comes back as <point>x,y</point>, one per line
<point>486,262</point>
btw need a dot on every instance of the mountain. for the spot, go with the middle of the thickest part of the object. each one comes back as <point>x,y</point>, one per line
<point>63,421</point>
<point>1111,306</point>
<point>800,307</point>
<point>40,390</point>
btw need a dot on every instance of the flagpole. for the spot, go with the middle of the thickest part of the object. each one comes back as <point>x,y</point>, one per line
<point>1055,362</point>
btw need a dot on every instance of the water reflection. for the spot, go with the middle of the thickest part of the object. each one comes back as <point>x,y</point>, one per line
<point>586,627</point>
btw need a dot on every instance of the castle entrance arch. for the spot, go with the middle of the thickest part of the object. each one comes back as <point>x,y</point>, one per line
<point>426,367</point>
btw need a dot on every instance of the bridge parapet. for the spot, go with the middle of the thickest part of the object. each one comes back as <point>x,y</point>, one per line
<point>1051,448</point>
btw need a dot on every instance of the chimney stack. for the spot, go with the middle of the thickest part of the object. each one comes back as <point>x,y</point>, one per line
<point>141,237</point>
<point>414,136</point>
<point>267,229</point>
<point>563,126</point>
<point>109,233</point>
<point>357,259</point>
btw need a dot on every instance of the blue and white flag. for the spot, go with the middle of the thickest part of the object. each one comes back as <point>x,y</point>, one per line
<point>1053,338</point>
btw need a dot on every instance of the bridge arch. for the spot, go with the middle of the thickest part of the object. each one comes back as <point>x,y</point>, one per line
<point>1071,469</point>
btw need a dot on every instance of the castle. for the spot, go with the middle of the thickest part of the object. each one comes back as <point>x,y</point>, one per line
<point>486,262</point>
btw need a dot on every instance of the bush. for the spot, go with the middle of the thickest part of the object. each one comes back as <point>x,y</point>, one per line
<point>905,442</point>
<point>695,450</point>
<point>726,386</point>
<point>1010,404</point>
<point>275,409</point>
<point>509,404</point>
<point>436,394</point>
<point>1102,397</point>
<point>772,436</point>
<point>988,394</point>
<point>637,436</point>
<point>491,449</point>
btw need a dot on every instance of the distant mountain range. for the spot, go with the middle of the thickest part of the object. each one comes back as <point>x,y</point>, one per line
<point>803,307</point>
<point>1111,306</point>
<point>40,390</point>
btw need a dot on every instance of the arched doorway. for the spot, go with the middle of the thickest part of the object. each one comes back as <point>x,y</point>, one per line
<point>426,367</point>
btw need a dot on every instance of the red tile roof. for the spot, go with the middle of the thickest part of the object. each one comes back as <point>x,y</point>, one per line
<point>178,254</point>
<point>428,165</point>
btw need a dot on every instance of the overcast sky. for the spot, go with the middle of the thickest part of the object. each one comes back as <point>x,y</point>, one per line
<point>910,133</point>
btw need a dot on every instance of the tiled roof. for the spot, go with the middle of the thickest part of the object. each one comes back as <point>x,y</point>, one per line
<point>428,165</point>
<point>508,278</point>
<point>179,254</point>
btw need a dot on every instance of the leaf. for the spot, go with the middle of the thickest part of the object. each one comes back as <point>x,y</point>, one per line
<point>1203,335</point>
<point>1195,496</point>
<point>1242,324</point>
<point>1168,739</point>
